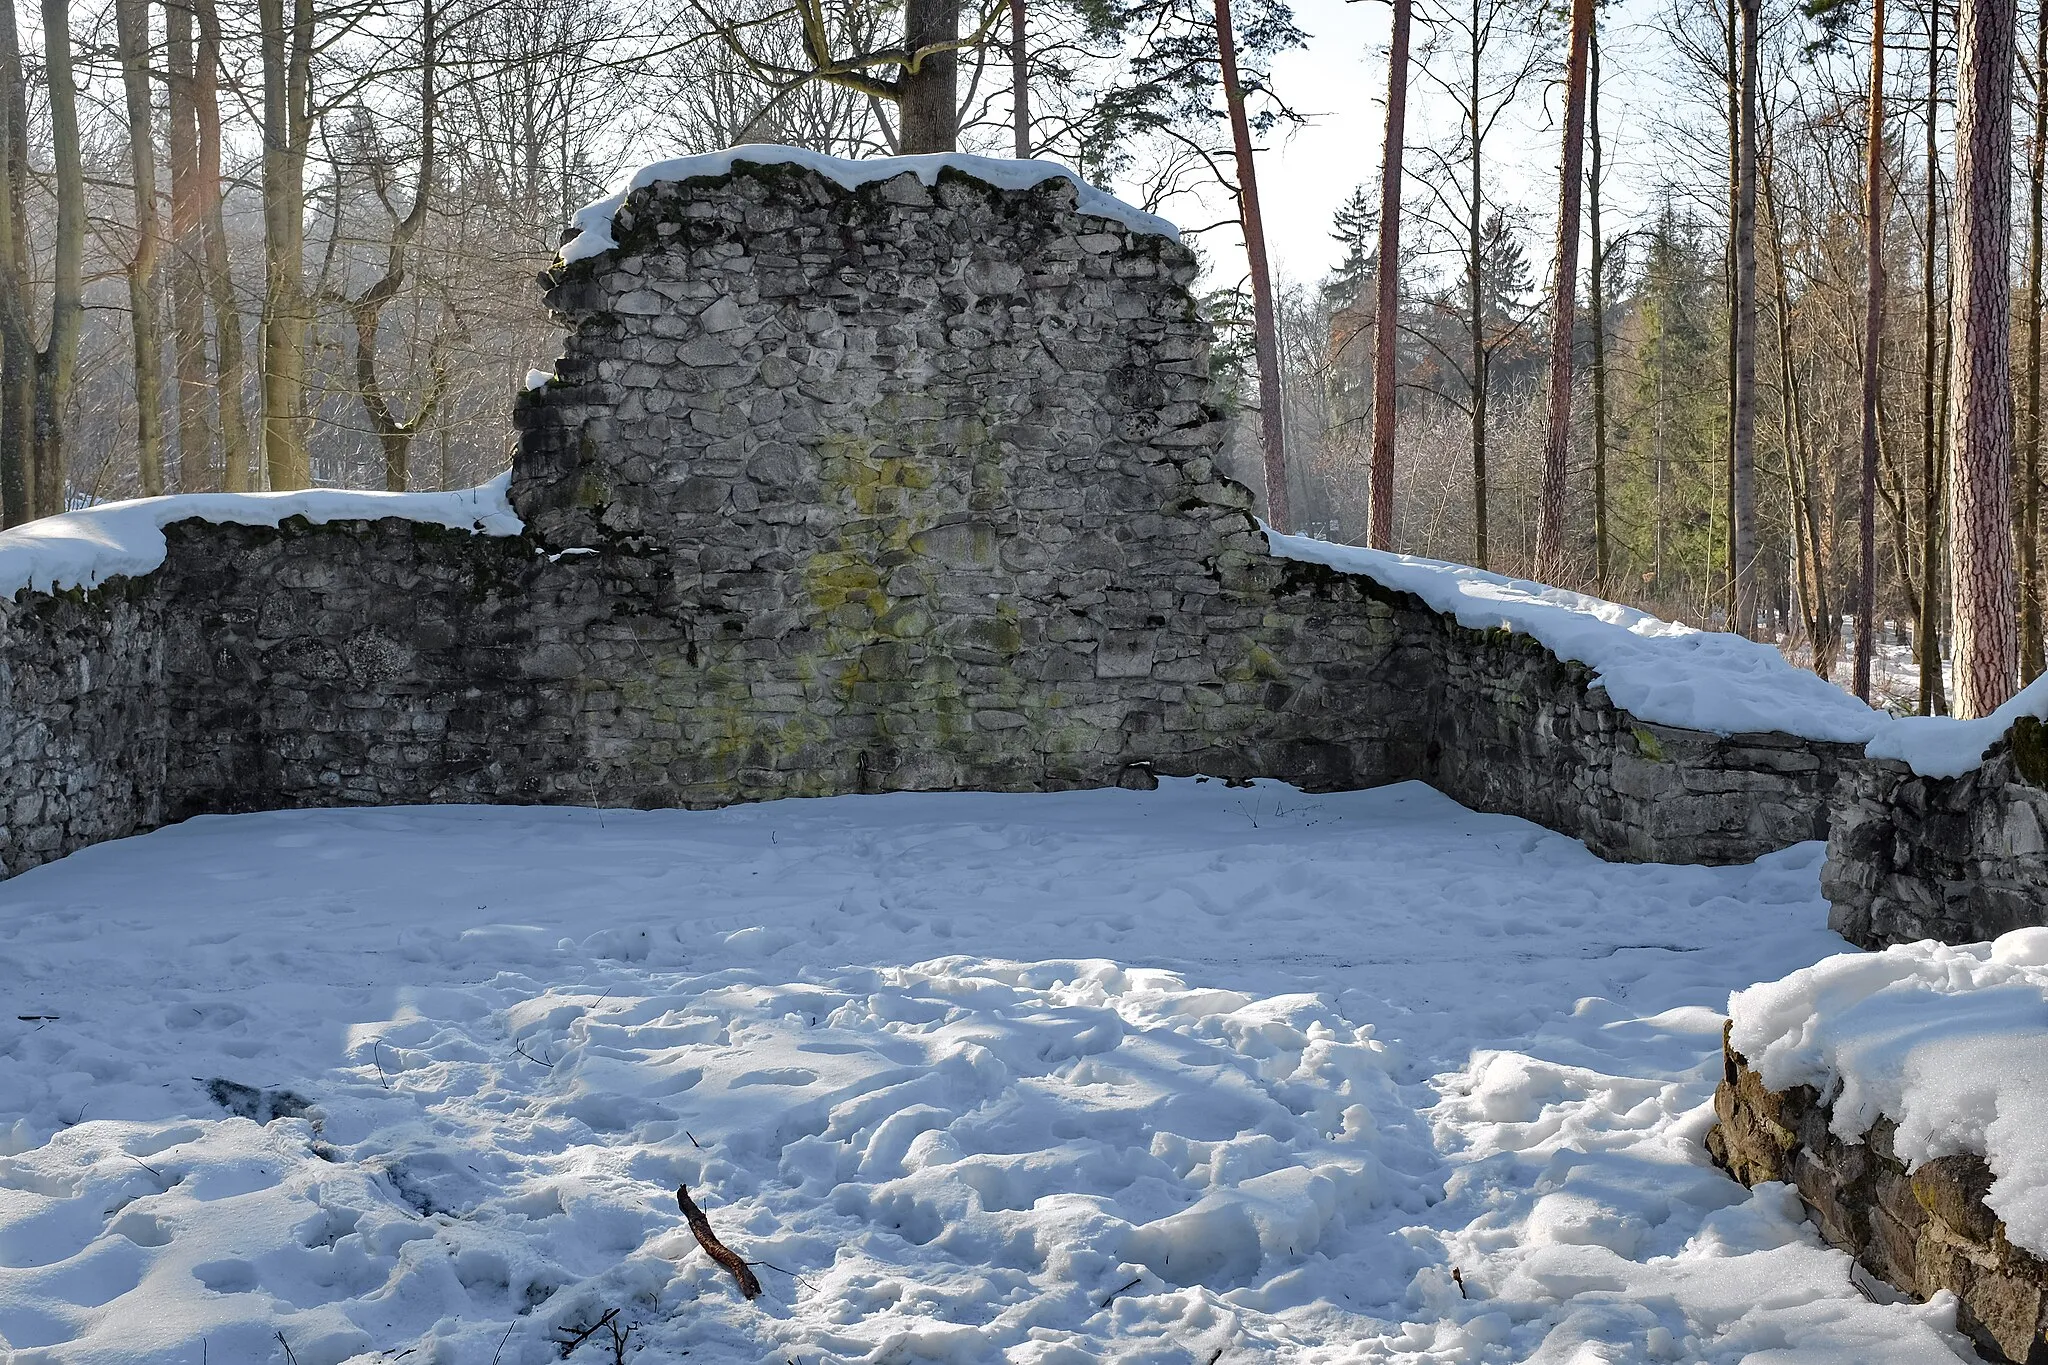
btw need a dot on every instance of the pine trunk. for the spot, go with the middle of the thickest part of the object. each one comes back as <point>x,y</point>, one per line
<point>1550,566</point>
<point>1927,631</point>
<point>1873,352</point>
<point>1387,308</point>
<point>1742,524</point>
<point>1266,335</point>
<point>1597,288</point>
<point>2032,650</point>
<point>1980,399</point>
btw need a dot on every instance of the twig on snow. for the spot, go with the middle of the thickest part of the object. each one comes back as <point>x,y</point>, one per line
<point>1458,1279</point>
<point>735,1266</point>
<point>287,1349</point>
<point>1114,1292</point>
<point>502,1340</point>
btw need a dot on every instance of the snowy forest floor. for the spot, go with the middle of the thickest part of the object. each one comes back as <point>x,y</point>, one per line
<point>1198,1075</point>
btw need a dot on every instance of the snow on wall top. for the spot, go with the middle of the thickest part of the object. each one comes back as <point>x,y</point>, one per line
<point>85,548</point>
<point>1659,671</point>
<point>1940,746</point>
<point>594,220</point>
<point>1950,1043</point>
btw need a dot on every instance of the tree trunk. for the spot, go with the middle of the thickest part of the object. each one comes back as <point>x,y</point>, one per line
<point>2032,650</point>
<point>1742,525</point>
<point>1387,309</point>
<point>1020,81</point>
<point>928,103</point>
<point>17,349</point>
<point>1550,565</point>
<point>1265,332</point>
<point>131,27</point>
<point>220,284</point>
<point>1980,401</point>
<point>188,256</point>
<point>56,366</point>
<point>1926,631</point>
<point>287,312</point>
<point>1873,348</point>
<point>1598,298</point>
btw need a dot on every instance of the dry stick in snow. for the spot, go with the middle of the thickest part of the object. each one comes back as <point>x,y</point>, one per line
<point>735,1266</point>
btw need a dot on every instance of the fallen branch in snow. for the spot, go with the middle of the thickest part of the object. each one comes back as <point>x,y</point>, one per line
<point>567,1339</point>
<point>749,1283</point>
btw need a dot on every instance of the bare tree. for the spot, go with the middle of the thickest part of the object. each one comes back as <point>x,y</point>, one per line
<point>220,284</point>
<point>131,25</point>
<point>287,48</point>
<point>54,368</point>
<point>18,355</point>
<point>187,269</point>
<point>1020,81</point>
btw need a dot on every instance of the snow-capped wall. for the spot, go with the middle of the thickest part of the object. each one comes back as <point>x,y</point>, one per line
<point>843,483</point>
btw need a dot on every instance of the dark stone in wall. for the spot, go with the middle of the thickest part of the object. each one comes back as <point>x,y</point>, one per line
<point>1921,1231</point>
<point>900,488</point>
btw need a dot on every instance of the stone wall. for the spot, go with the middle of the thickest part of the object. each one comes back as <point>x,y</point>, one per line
<point>1921,1231</point>
<point>904,487</point>
<point>1959,859</point>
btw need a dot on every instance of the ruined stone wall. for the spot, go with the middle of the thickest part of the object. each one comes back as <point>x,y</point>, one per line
<point>904,487</point>
<point>1959,859</point>
<point>1921,1231</point>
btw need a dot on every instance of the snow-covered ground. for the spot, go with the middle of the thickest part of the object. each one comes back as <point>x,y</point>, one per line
<point>1198,1075</point>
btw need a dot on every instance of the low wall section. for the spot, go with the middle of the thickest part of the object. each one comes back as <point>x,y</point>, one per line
<point>905,486</point>
<point>1921,1231</point>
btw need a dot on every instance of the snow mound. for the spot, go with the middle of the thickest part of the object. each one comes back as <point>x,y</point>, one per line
<point>1951,1043</point>
<point>1657,670</point>
<point>1940,746</point>
<point>594,220</point>
<point>86,548</point>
